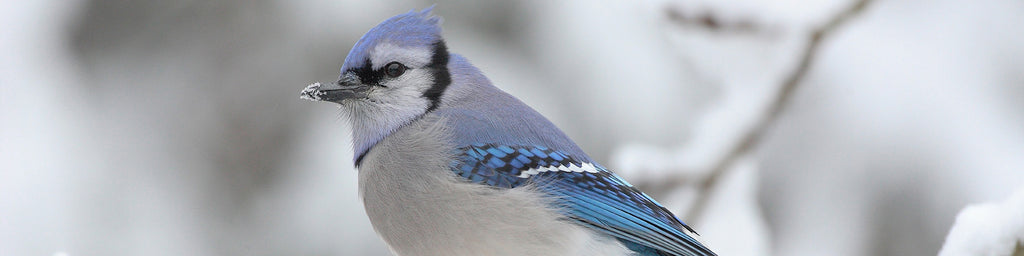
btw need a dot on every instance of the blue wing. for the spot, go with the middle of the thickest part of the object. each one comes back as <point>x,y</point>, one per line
<point>593,196</point>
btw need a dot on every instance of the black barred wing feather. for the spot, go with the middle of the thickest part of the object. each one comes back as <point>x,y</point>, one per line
<point>592,196</point>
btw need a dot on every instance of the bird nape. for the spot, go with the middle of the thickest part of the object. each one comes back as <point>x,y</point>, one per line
<point>451,165</point>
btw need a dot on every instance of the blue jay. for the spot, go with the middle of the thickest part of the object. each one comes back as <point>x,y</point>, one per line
<point>451,165</point>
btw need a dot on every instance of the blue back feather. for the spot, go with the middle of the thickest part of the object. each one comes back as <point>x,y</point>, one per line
<point>482,113</point>
<point>499,138</point>
<point>600,200</point>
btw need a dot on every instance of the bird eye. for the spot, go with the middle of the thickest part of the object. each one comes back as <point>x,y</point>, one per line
<point>394,69</point>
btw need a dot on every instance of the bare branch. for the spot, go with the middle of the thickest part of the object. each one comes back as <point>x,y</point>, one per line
<point>709,22</point>
<point>752,137</point>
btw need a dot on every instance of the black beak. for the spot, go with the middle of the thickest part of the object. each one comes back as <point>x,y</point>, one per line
<point>335,92</point>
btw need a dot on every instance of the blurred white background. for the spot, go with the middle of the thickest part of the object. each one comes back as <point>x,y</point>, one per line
<point>175,127</point>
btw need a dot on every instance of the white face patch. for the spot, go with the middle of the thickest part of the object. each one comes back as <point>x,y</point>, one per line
<point>390,102</point>
<point>406,89</point>
<point>402,95</point>
<point>583,167</point>
<point>397,101</point>
<point>415,57</point>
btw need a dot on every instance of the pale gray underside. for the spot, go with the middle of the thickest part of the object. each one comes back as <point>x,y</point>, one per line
<point>420,207</point>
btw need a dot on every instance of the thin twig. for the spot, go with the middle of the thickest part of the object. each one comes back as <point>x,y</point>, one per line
<point>753,137</point>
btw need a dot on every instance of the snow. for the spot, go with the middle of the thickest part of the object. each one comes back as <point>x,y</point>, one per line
<point>904,91</point>
<point>40,158</point>
<point>311,92</point>
<point>995,228</point>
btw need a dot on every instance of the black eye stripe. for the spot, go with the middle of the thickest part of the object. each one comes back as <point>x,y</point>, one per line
<point>366,74</point>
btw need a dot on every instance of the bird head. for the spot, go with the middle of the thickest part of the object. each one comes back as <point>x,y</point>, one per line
<point>395,73</point>
<point>401,63</point>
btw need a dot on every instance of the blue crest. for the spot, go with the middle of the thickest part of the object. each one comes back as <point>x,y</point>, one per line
<point>409,29</point>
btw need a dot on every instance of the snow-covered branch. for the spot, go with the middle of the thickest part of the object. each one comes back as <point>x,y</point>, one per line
<point>758,68</point>
<point>771,113</point>
<point>988,229</point>
<point>737,123</point>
